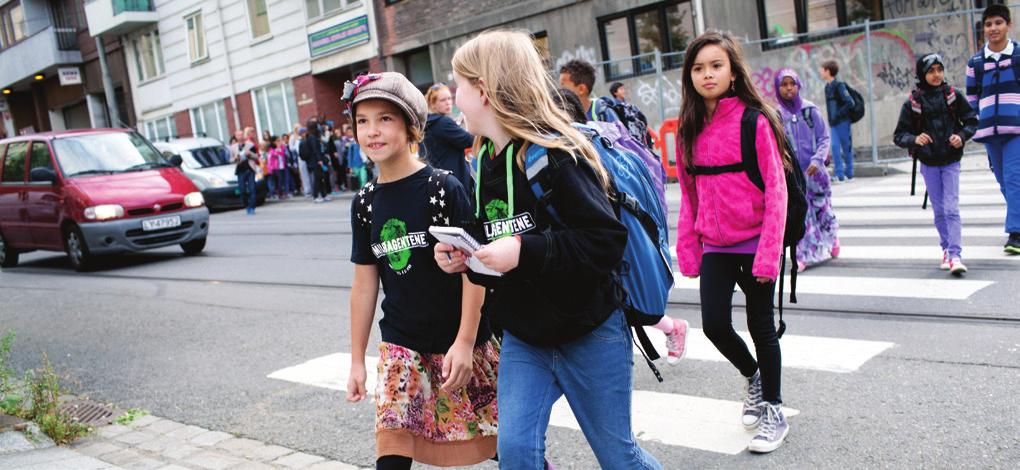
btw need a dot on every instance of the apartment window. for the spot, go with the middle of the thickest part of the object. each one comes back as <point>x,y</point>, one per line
<point>211,121</point>
<point>160,129</point>
<point>666,27</point>
<point>12,24</point>
<point>541,41</point>
<point>319,8</point>
<point>787,21</point>
<point>196,37</point>
<point>258,18</point>
<point>418,68</point>
<point>275,109</point>
<point>148,55</point>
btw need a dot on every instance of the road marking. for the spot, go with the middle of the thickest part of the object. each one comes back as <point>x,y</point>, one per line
<point>670,418</point>
<point>906,201</point>
<point>905,190</point>
<point>904,181</point>
<point>945,289</point>
<point>799,352</point>
<point>929,251</point>
<point>917,232</point>
<point>914,214</point>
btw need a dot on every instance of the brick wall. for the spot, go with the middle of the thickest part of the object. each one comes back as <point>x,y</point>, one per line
<point>404,19</point>
<point>245,110</point>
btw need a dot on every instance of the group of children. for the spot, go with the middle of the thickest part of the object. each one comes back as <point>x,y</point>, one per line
<point>449,392</point>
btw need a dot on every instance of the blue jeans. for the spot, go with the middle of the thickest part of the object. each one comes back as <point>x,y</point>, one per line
<point>246,183</point>
<point>943,184</point>
<point>843,150</point>
<point>1004,158</point>
<point>594,373</point>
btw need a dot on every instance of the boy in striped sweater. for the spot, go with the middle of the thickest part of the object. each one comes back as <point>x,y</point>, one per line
<point>993,89</point>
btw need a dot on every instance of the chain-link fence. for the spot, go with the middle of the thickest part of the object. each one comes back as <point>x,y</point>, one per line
<point>876,58</point>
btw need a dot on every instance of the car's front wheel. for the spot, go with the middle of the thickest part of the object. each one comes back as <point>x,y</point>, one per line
<point>78,254</point>
<point>8,256</point>
<point>193,247</point>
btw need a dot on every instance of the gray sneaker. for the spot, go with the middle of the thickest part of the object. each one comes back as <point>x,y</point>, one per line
<point>753,404</point>
<point>772,431</point>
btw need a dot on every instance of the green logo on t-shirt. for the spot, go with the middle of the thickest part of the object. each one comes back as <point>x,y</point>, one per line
<point>396,244</point>
<point>496,210</point>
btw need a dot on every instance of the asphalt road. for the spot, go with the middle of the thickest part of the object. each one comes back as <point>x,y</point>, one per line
<point>194,339</point>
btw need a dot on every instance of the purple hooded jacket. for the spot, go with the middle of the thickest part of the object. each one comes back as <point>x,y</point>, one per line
<point>810,143</point>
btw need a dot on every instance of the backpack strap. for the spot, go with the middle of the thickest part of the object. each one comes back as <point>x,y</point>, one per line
<point>808,117</point>
<point>363,204</point>
<point>748,146</point>
<point>439,210</point>
<point>536,168</point>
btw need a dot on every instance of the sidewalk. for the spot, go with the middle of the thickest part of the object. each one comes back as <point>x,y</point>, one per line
<point>151,443</point>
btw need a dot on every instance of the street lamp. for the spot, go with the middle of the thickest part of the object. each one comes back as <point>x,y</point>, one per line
<point>39,77</point>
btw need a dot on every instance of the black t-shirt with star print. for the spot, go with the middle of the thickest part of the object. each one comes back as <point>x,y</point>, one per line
<point>421,303</point>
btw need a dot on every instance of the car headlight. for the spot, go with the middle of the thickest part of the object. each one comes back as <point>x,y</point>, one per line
<point>216,182</point>
<point>194,200</point>
<point>104,212</point>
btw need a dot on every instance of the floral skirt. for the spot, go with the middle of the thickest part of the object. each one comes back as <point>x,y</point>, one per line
<point>820,234</point>
<point>416,419</point>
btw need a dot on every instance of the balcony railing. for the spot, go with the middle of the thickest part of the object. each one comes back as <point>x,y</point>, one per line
<point>120,6</point>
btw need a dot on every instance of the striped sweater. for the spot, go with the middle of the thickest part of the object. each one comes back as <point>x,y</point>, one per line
<point>997,97</point>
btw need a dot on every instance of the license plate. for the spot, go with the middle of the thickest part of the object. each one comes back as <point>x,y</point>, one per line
<point>161,223</point>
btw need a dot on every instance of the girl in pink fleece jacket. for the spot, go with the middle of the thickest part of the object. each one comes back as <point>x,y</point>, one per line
<point>730,232</point>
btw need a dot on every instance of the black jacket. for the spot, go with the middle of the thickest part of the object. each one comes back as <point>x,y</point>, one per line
<point>311,149</point>
<point>940,121</point>
<point>562,287</point>
<point>443,147</point>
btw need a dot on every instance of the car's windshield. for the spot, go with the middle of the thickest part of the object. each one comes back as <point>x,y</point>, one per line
<point>205,157</point>
<point>114,152</point>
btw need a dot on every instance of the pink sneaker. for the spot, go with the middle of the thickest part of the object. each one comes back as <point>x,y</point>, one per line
<point>676,342</point>
<point>945,261</point>
<point>801,266</point>
<point>835,249</point>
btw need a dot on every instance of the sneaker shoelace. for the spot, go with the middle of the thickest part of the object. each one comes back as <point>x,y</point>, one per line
<point>673,340</point>
<point>769,421</point>
<point>753,399</point>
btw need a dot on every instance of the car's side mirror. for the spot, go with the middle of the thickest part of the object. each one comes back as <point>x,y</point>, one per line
<point>43,175</point>
<point>176,160</point>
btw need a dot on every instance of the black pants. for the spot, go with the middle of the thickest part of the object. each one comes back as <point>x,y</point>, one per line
<point>720,272</point>
<point>320,181</point>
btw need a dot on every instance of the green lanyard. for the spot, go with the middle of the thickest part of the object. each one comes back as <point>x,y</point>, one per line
<point>488,147</point>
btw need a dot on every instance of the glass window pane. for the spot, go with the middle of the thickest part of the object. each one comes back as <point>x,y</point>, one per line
<point>196,121</point>
<point>148,58</point>
<point>14,165</point>
<point>822,15</point>
<point>162,130</point>
<point>419,68</point>
<point>312,7</point>
<point>649,37</point>
<point>859,10</point>
<point>200,35</point>
<point>329,6</point>
<point>260,110</point>
<point>258,15</point>
<point>136,45</point>
<point>780,18</point>
<point>17,25</point>
<point>277,116</point>
<point>173,126</point>
<point>288,94</point>
<point>40,156</point>
<point>680,21</point>
<point>618,46</point>
<point>192,40</point>
<point>158,47</point>
<point>209,120</point>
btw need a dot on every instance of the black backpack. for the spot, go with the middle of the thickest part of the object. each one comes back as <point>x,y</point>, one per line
<point>796,201</point>
<point>633,119</point>
<point>857,111</point>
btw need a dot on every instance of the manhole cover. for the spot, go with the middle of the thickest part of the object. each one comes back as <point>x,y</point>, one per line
<point>88,412</point>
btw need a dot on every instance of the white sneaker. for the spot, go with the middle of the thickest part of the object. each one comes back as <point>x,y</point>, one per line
<point>945,261</point>
<point>318,200</point>
<point>956,267</point>
<point>772,432</point>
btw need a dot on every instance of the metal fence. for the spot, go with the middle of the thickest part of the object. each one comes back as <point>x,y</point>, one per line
<point>877,58</point>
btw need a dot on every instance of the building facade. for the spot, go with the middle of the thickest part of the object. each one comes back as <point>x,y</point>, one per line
<point>50,74</point>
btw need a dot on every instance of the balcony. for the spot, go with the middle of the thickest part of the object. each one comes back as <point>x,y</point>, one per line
<point>119,16</point>
<point>39,52</point>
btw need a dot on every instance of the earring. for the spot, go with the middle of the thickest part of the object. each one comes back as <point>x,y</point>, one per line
<point>733,85</point>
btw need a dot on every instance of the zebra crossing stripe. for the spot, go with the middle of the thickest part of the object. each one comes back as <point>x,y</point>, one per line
<point>944,289</point>
<point>907,201</point>
<point>838,355</point>
<point>915,214</point>
<point>905,190</point>
<point>917,233</point>
<point>670,418</point>
<point>932,252</point>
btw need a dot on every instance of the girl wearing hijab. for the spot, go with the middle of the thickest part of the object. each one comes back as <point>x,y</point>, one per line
<point>934,124</point>
<point>805,127</point>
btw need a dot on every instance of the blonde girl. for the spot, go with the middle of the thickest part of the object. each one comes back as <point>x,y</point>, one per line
<point>564,333</point>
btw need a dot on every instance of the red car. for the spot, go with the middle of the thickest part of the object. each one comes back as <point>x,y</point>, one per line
<point>92,192</point>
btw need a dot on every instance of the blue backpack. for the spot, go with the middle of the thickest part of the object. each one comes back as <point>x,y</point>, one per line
<point>645,276</point>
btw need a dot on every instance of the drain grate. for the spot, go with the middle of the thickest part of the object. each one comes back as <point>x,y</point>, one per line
<point>89,412</point>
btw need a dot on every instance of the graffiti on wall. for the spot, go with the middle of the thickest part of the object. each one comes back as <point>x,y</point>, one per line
<point>582,52</point>
<point>905,8</point>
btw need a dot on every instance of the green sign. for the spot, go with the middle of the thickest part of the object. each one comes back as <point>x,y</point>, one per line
<point>342,36</point>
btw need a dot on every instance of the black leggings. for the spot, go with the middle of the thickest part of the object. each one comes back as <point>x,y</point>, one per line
<point>393,462</point>
<point>720,272</point>
<point>320,181</point>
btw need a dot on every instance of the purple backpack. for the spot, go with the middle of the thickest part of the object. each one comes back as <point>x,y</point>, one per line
<point>621,138</point>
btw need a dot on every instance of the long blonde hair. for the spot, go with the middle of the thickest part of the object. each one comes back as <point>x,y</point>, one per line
<point>506,66</point>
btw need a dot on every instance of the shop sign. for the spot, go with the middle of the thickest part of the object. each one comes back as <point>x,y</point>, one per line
<point>339,37</point>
